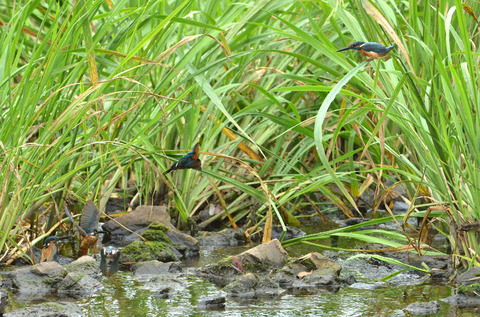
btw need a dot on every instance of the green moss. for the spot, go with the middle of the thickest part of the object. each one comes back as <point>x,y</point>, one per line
<point>467,289</point>
<point>156,232</point>
<point>140,251</point>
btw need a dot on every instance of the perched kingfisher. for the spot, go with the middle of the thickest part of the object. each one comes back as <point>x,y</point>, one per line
<point>88,228</point>
<point>50,250</point>
<point>188,161</point>
<point>371,49</point>
<point>109,257</point>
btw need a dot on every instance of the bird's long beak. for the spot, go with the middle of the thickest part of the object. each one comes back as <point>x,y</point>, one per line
<point>343,49</point>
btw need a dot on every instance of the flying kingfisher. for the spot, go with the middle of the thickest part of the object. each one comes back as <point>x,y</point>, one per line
<point>50,249</point>
<point>190,160</point>
<point>88,228</point>
<point>371,49</point>
<point>109,257</point>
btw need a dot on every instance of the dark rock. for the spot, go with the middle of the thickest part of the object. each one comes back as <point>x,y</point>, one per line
<point>420,308</point>
<point>187,245</point>
<point>400,206</point>
<point>3,301</point>
<point>463,300</point>
<point>355,221</point>
<point>164,293</point>
<point>253,286</point>
<point>50,309</point>
<point>469,277</point>
<point>85,265</point>
<point>141,217</point>
<point>215,303</point>
<point>291,233</point>
<point>78,285</point>
<point>156,267</point>
<point>224,238</point>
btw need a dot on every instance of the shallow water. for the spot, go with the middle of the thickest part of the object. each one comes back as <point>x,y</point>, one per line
<point>124,296</point>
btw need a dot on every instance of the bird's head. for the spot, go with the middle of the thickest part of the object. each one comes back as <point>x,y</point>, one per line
<point>354,46</point>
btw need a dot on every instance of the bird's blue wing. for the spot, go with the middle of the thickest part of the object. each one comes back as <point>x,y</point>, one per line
<point>90,217</point>
<point>374,47</point>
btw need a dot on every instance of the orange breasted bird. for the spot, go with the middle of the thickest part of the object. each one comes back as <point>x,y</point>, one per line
<point>371,49</point>
<point>190,160</point>
<point>50,249</point>
<point>109,257</point>
<point>88,228</point>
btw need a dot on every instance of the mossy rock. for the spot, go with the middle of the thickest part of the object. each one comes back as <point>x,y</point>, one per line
<point>156,232</point>
<point>140,251</point>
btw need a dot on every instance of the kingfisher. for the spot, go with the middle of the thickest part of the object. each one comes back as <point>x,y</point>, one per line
<point>50,249</point>
<point>190,160</point>
<point>88,228</point>
<point>109,257</point>
<point>371,49</point>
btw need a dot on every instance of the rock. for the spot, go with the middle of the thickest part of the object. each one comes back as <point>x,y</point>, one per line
<point>156,268</point>
<point>85,265</point>
<point>139,251</point>
<point>77,285</point>
<point>310,273</point>
<point>315,261</point>
<point>3,301</point>
<point>266,255</point>
<point>141,217</point>
<point>164,293</point>
<point>292,232</point>
<point>224,238</point>
<point>261,258</point>
<point>253,286</point>
<point>165,244</point>
<point>49,309</point>
<point>51,271</point>
<point>214,303</point>
<point>469,277</point>
<point>187,245</point>
<point>400,206</point>
<point>420,308</point>
<point>163,286</point>
<point>463,300</point>
<point>33,283</point>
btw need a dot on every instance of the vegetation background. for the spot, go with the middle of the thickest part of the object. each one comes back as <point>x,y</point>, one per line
<point>101,95</point>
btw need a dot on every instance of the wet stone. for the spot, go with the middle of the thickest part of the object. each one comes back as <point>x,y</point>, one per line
<point>292,232</point>
<point>463,300</point>
<point>421,308</point>
<point>224,238</point>
<point>163,293</point>
<point>469,277</point>
<point>270,254</point>
<point>156,267</point>
<point>78,285</point>
<point>253,286</point>
<point>3,301</point>
<point>49,309</point>
<point>85,265</point>
<point>214,303</point>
